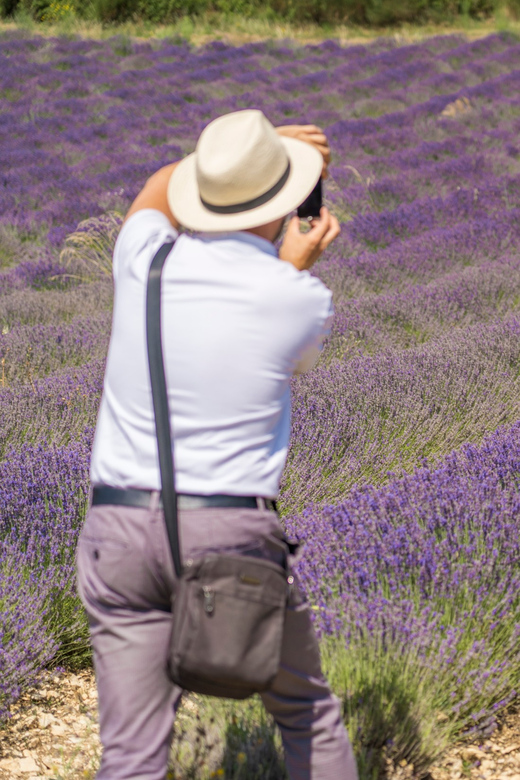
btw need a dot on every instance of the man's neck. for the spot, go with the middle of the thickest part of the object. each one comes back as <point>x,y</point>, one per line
<point>261,231</point>
<point>270,232</point>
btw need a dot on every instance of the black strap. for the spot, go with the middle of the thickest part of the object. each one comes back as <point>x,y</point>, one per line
<point>160,400</point>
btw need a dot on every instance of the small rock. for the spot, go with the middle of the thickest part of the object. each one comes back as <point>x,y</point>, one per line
<point>9,764</point>
<point>58,729</point>
<point>472,754</point>
<point>28,764</point>
<point>45,720</point>
<point>455,763</point>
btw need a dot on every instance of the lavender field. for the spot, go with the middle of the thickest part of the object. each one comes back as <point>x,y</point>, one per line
<point>404,469</point>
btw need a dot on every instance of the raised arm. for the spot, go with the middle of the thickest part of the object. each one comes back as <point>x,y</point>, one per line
<point>153,194</point>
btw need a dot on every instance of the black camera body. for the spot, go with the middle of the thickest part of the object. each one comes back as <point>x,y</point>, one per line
<point>310,208</point>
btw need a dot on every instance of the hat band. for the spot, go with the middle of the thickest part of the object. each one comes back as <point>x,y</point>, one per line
<point>236,208</point>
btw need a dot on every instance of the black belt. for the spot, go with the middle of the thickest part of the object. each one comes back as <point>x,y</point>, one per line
<point>104,494</point>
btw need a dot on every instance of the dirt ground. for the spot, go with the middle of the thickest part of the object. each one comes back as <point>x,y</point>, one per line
<point>53,734</point>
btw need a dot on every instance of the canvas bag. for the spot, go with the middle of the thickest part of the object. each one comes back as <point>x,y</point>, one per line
<point>228,609</point>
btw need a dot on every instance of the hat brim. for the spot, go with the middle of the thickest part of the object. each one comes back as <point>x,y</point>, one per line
<point>187,207</point>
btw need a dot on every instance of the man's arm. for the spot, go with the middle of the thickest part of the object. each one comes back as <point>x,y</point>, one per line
<point>153,195</point>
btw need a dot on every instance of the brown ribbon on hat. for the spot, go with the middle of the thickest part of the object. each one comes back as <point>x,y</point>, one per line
<point>236,208</point>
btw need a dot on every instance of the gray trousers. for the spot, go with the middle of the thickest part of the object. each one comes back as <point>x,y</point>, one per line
<point>125,579</point>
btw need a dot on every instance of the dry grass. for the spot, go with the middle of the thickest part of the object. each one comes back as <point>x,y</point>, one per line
<point>235,29</point>
<point>88,250</point>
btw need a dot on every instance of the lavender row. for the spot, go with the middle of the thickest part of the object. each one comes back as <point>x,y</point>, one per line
<point>426,568</point>
<point>28,306</point>
<point>425,257</point>
<point>366,324</point>
<point>427,170</point>
<point>355,421</point>
<point>405,319</point>
<point>58,409</point>
<point>89,176</point>
<point>28,352</point>
<point>27,59</point>
<point>425,214</point>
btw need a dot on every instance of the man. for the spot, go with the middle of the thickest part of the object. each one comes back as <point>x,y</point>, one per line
<point>238,321</point>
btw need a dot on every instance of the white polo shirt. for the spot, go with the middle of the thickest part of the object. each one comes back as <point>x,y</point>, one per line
<point>237,323</point>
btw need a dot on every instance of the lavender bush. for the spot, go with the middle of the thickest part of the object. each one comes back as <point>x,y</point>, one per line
<point>423,573</point>
<point>43,494</point>
<point>404,464</point>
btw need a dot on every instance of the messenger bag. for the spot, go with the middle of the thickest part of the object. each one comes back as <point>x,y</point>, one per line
<point>228,609</point>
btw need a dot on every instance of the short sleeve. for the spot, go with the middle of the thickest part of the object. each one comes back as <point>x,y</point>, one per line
<point>147,228</point>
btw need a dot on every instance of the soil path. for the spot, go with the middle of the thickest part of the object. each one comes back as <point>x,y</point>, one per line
<point>53,735</point>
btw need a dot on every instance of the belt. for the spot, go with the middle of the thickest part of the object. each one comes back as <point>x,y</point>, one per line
<point>104,494</point>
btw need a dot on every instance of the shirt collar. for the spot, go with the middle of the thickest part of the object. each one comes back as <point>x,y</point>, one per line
<point>258,242</point>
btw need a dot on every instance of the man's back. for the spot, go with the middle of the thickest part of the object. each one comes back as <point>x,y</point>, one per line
<point>238,320</point>
<point>237,323</point>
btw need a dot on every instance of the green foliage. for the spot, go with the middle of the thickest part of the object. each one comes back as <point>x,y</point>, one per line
<point>222,738</point>
<point>8,7</point>
<point>37,8</point>
<point>158,11</point>
<point>382,12</point>
<point>252,745</point>
<point>366,12</point>
<point>514,8</point>
<point>393,704</point>
<point>40,10</point>
<point>67,622</point>
<point>114,10</point>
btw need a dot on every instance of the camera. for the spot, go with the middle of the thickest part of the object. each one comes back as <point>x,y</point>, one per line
<point>310,208</point>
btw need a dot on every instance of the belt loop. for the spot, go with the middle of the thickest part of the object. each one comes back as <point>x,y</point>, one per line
<point>260,503</point>
<point>155,496</point>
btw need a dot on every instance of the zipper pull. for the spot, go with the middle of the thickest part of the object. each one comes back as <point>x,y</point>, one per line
<point>209,600</point>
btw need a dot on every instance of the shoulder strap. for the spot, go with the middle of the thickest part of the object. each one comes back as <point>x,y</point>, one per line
<point>160,400</point>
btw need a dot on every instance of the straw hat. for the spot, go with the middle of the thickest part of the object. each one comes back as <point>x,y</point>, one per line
<point>241,175</point>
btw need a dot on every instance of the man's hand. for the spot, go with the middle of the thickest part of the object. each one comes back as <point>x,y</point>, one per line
<point>303,249</point>
<point>312,135</point>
